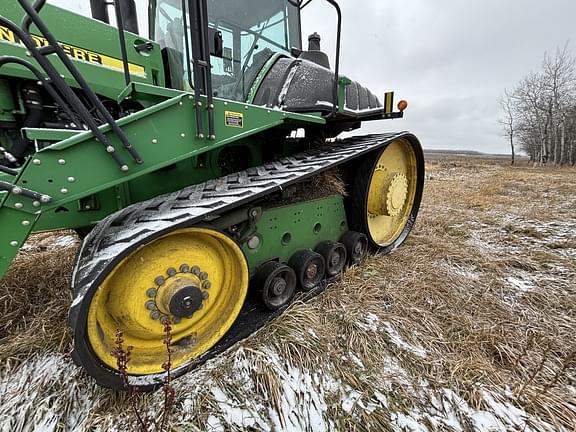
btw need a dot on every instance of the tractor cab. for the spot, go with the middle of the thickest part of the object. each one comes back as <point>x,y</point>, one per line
<point>243,36</point>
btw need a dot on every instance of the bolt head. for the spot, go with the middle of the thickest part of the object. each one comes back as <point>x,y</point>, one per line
<point>71,179</point>
<point>62,161</point>
<point>155,314</point>
<point>18,205</point>
<point>154,141</point>
<point>25,222</point>
<point>64,190</point>
<point>124,168</point>
<point>196,270</point>
<point>206,285</point>
<point>203,275</point>
<point>36,161</point>
<point>16,190</point>
<point>171,271</point>
<point>159,280</point>
<point>183,135</point>
<point>150,305</point>
<point>184,268</point>
<point>14,243</point>
<point>151,292</point>
<point>36,203</point>
<point>45,199</point>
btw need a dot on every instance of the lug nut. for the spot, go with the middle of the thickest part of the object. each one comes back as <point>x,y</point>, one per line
<point>203,276</point>
<point>150,305</point>
<point>184,268</point>
<point>151,292</point>
<point>206,284</point>
<point>155,315</point>
<point>171,271</point>
<point>196,270</point>
<point>159,280</point>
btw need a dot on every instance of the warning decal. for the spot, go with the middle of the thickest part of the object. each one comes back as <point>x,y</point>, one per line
<point>234,119</point>
<point>7,35</point>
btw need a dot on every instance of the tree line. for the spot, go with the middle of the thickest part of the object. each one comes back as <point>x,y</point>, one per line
<point>539,113</point>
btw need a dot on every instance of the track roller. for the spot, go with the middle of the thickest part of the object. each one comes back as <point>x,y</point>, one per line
<point>356,245</point>
<point>276,284</point>
<point>334,255</point>
<point>309,267</point>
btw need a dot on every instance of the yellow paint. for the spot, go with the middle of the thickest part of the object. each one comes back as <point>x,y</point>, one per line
<point>76,53</point>
<point>120,301</point>
<point>391,192</point>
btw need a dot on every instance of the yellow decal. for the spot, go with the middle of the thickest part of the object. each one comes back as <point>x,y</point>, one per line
<point>234,119</point>
<point>7,35</point>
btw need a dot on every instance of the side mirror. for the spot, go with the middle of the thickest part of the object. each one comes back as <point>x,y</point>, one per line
<point>216,42</point>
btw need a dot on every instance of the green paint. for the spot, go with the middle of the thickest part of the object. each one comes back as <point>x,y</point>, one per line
<point>287,229</point>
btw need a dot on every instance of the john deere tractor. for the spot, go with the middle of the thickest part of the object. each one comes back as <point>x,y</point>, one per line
<point>200,166</point>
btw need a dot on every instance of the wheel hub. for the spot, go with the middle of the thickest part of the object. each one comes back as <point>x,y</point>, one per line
<point>179,295</point>
<point>397,193</point>
<point>278,286</point>
<point>186,301</point>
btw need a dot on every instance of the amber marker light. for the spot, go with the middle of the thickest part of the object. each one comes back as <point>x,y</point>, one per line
<point>402,105</point>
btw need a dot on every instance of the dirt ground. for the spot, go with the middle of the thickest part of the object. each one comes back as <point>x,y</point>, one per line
<point>470,326</point>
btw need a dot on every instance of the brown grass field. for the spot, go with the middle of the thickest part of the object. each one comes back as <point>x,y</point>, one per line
<point>470,326</point>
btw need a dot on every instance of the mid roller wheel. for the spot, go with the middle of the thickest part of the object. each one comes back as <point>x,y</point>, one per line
<point>386,194</point>
<point>334,255</point>
<point>309,267</point>
<point>196,279</point>
<point>276,284</point>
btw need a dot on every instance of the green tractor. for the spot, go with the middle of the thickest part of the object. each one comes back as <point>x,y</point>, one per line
<point>199,165</point>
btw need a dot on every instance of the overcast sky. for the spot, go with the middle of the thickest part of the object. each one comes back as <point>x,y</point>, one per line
<point>450,59</point>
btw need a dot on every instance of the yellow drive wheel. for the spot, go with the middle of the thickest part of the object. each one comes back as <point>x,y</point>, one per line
<point>195,278</point>
<point>386,193</point>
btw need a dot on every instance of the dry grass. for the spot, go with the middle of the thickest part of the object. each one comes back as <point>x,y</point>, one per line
<point>469,326</point>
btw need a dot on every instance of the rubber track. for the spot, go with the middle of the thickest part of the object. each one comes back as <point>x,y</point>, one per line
<point>120,233</point>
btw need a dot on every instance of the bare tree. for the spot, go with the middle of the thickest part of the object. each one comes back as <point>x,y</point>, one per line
<point>539,115</point>
<point>507,121</point>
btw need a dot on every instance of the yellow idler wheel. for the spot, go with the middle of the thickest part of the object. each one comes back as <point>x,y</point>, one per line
<point>386,193</point>
<point>195,278</point>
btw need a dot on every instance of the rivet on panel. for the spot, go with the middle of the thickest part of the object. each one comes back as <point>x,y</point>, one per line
<point>71,179</point>
<point>64,190</point>
<point>18,205</point>
<point>61,161</point>
<point>14,243</point>
<point>36,161</point>
<point>154,141</point>
<point>25,222</point>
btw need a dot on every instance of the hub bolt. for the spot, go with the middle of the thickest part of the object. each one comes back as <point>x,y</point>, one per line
<point>159,280</point>
<point>171,271</point>
<point>151,292</point>
<point>184,268</point>
<point>203,276</point>
<point>151,305</point>
<point>196,270</point>
<point>206,284</point>
<point>155,315</point>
